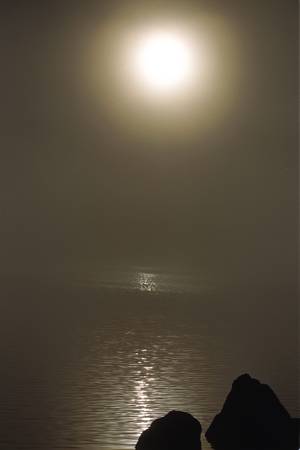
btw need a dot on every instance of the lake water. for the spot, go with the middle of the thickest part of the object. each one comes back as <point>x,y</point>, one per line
<point>88,361</point>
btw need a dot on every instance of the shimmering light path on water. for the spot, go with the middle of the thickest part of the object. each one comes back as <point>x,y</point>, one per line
<point>89,366</point>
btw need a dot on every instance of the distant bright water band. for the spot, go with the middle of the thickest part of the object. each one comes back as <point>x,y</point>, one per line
<point>148,281</point>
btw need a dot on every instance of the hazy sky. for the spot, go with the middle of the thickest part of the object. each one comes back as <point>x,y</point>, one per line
<point>79,186</point>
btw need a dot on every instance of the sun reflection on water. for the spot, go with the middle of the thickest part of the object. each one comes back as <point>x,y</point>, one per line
<point>147,282</point>
<point>142,390</point>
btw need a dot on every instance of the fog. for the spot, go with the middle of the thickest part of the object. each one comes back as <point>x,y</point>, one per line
<point>82,187</point>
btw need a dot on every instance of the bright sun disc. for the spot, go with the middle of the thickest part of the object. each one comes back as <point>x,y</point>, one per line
<point>163,61</point>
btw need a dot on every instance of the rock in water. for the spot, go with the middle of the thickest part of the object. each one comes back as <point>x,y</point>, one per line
<point>176,431</point>
<point>252,418</point>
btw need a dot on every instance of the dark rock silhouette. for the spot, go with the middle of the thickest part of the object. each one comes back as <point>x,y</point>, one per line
<point>252,418</point>
<point>175,431</point>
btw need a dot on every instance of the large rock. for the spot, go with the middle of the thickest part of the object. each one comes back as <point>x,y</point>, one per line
<point>252,418</point>
<point>175,431</point>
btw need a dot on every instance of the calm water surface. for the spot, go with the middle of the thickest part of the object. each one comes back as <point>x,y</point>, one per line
<point>87,362</point>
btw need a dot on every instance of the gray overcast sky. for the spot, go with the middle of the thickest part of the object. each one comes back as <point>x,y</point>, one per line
<point>76,189</point>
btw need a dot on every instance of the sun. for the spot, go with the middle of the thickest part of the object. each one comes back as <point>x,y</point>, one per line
<point>164,61</point>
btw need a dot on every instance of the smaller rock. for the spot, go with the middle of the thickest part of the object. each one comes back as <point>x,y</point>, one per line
<point>175,431</point>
